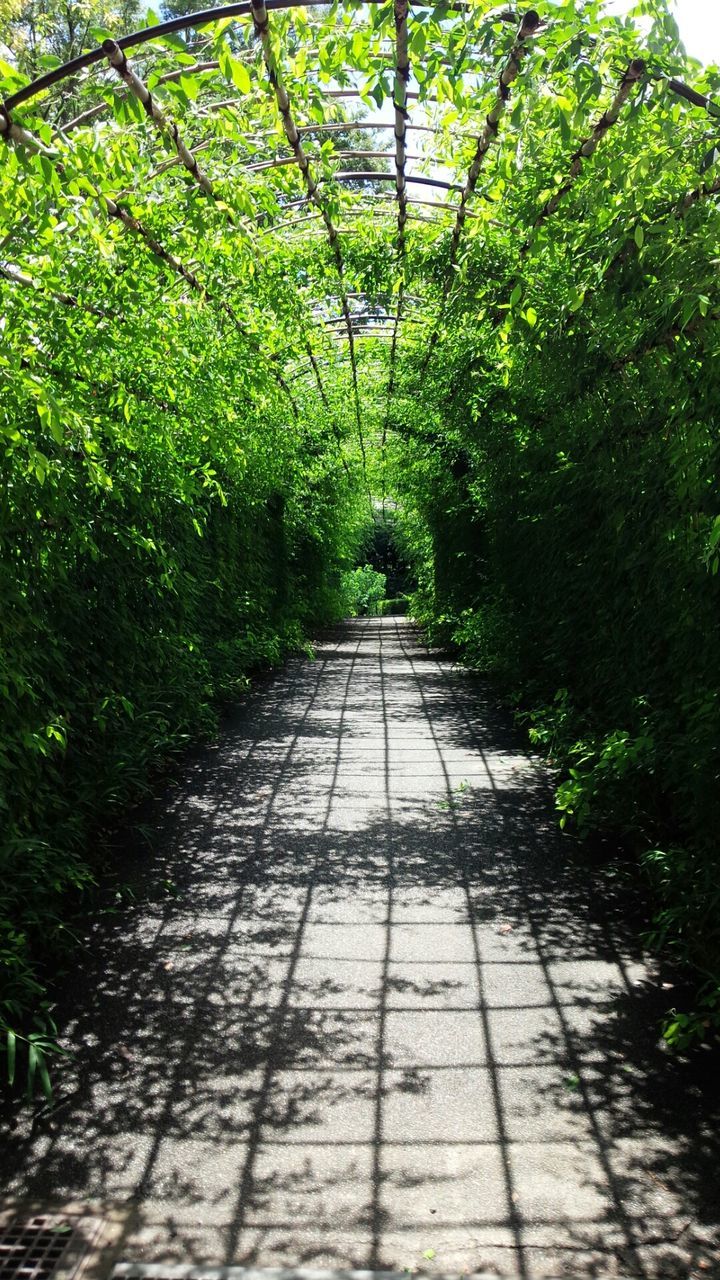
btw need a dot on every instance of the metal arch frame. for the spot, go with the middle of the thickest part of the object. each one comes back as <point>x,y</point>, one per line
<point>338,360</point>
<point>242,10</point>
<point>369,320</point>
<point>362,326</point>
<point>206,17</point>
<point>185,22</point>
<point>338,175</point>
<point>371,360</point>
<point>379,196</point>
<point>415,315</point>
<point>385,207</point>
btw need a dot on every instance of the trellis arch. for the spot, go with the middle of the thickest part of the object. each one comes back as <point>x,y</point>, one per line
<point>266,273</point>
<point>213,144</point>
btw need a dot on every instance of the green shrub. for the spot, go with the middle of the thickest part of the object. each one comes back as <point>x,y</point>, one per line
<point>363,590</point>
<point>138,595</point>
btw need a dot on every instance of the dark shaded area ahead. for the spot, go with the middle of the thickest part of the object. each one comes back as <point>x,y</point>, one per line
<point>385,1022</point>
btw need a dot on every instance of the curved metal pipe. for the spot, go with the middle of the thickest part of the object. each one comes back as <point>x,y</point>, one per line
<point>202,18</point>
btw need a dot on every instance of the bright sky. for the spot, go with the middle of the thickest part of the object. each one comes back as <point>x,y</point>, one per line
<point>699,23</point>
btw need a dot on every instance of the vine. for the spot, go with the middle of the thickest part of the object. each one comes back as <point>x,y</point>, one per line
<point>209,370</point>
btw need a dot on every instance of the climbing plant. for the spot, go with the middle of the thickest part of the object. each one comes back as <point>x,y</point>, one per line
<point>264,269</point>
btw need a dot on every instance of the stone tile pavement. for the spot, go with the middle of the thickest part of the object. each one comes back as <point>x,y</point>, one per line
<point>386,1020</point>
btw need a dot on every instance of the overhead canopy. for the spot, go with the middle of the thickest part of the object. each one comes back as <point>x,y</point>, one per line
<point>315,187</point>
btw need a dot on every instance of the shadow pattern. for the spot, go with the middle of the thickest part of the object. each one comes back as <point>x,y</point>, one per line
<point>385,1022</point>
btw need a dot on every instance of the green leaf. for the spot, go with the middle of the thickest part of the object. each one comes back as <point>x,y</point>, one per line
<point>709,159</point>
<point>134,110</point>
<point>225,62</point>
<point>377,94</point>
<point>190,86</point>
<point>31,1069</point>
<point>45,1082</point>
<point>11,1055</point>
<point>639,236</point>
<point>222,25</point>
<point>240,76</point>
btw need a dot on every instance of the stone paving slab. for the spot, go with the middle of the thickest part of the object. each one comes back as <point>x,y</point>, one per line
<point>386,1022</point>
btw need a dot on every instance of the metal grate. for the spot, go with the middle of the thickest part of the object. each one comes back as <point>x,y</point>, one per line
<point>45,1246</point>
<point>32,1249</point>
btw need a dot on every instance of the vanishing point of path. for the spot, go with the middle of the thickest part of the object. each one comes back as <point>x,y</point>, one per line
<point>381,1020</point>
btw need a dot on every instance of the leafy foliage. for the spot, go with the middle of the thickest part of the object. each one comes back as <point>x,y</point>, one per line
<point>565,537</point>
<point>41,35</point>
<point>363,590</point>
<point>192,448</point>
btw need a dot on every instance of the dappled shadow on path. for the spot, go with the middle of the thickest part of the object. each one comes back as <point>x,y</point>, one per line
<point>385,1021</point>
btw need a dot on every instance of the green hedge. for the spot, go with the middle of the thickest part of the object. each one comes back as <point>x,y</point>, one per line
<point>566,536</point>
<point>134,603</point>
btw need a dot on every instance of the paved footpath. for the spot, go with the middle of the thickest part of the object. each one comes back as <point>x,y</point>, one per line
<point>382,1019</point>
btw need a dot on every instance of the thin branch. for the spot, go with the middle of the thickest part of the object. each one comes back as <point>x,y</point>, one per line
<point>262,28</point>
<point>21,278</point>
<point>11,132</point>
<point>667,339</point>
<point>118,61</point>
<point>508,75</point>
<point>632,76</point>
<point>699,193</point>
<point>400,91</point>
<point>14,133</point>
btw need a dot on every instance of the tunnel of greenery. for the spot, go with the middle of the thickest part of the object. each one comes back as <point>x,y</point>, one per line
<point>267,272</point>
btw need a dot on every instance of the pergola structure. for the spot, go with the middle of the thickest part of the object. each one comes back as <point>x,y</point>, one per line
<point>224,145</point>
